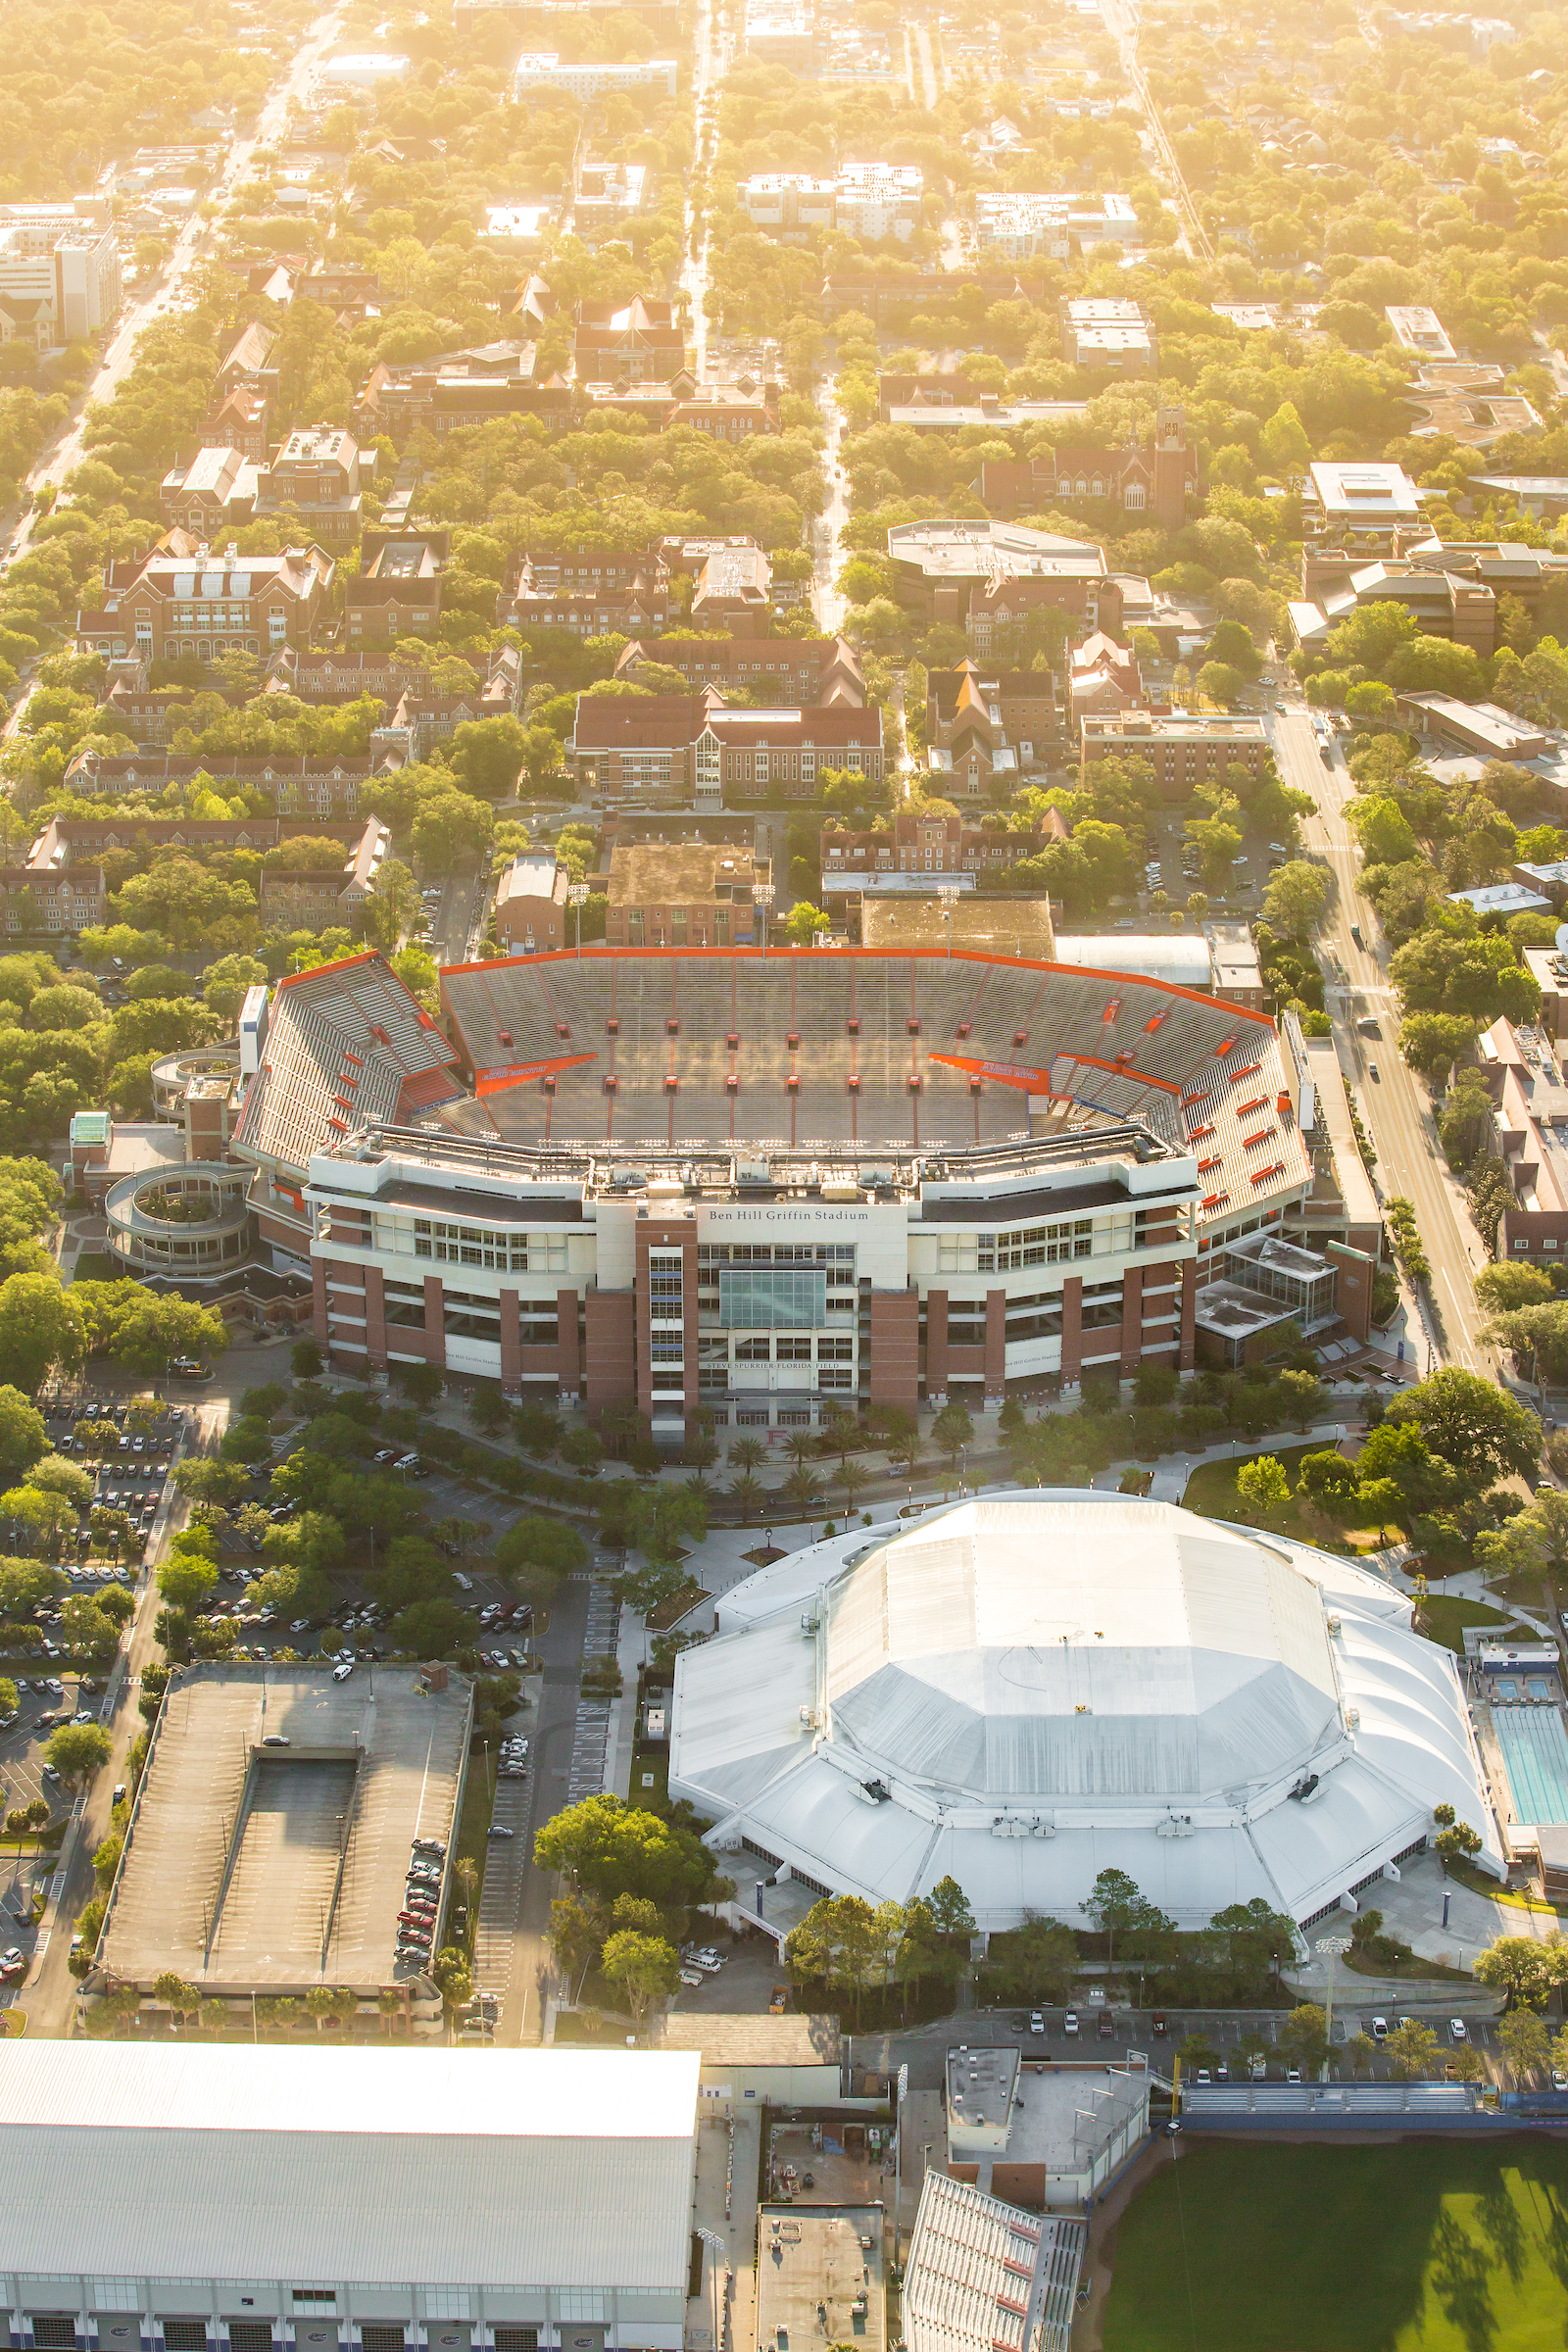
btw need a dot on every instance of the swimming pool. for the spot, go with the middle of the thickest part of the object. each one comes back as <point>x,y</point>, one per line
<point>1502,1688</point>
<point>1538,1687</point>
<point>1535,1751</point>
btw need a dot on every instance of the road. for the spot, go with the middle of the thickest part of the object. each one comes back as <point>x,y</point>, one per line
<point>928,71</point>
<point>827,530</point>
<point>1122,19</point>
<point>1393,1105</point>
<point>160,294</point>
<point>694,270</point>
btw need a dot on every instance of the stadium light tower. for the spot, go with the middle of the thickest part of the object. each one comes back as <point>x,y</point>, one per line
<point>762,899</point>
<point>578,896</point>
<point>1329,1948</point>
<point>947,895</point>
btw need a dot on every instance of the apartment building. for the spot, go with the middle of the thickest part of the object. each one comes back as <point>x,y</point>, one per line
<point>39,901</point>
<point>172,605</point>
<point>1183,751</point>
<point>724,412</point>
<point>591,592</point>
<point>319,787</point>
<point>538,72</point>
<point>397,592</point>
<point>315,475</point>
<point>1108,333</point>
<point>870,201</point>
<point>691,896</point>
<point>1020,226</point>
<point>689,747</point>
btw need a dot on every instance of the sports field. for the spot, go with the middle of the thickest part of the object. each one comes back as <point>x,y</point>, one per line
<point>1432,2245</point>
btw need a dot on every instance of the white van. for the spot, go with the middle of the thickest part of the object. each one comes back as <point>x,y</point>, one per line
<point>464,1583</point>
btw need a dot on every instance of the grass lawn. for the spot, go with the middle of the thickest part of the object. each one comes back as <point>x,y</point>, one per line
<point>474,1822</point>
<point>1441,2245</point>
<point>1212,1491</point>
<point>1445,1620</point>
<point>650,1764</point>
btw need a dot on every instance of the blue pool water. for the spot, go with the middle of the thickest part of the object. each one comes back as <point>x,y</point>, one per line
<point>1535,1750</point>
<point>1502,1688</point>
<point>1537,1687</point>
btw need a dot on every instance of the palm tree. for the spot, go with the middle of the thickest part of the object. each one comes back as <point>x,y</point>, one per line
<point>804,1490</point>
<point>747,1454</point>
<point>840,1428</point>
<point>800,1445</point>
<point>853,1478</point>
<point>747,1492</point>
<point>392,2001</point>
<point>466,1875</point>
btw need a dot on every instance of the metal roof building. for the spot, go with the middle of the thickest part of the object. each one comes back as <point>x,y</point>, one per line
<point>272,2198</point>
<point>1025,1690</point>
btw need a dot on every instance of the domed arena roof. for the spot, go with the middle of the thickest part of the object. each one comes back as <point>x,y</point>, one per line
<point>1024,1691</point>
<point>1109,1649</point>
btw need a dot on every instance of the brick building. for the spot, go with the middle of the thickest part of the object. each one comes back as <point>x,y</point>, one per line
<point>170,605</point>
<point>682,897</point>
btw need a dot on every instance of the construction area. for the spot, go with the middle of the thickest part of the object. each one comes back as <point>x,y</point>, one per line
<point>273,1829</point>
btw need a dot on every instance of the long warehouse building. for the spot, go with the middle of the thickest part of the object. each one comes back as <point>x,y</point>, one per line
<point>228,2199</point>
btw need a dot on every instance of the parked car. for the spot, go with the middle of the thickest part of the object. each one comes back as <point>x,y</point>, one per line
<point>1458,2030</point>
<point>691,1977</point>
<point>1037,2023</point>
<point>1380,2028</point>
<point>1069,2024</point>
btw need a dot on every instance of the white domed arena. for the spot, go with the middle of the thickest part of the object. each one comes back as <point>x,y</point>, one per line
<point>1023,1691</point>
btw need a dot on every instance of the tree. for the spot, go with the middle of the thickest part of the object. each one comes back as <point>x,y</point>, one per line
<point>1472,1423</point>
<point>1262,1485</point>
<point>1304,2035</point>
<point>953,1430</point>
<point>324,2002</point>
<point>1459,1843</point>
<point>614,1848</point>
<point>578,1925</point>
<point>1034,1963</point>
<point>453,1976</point>
<point>950,1909</point>
<point>641,1966</point>
<point>1296,898</point>
<point>305,1358</point>
<point>78,1750</point>
<point>1413,2048</point>
<point>40,1326</point>
<point>1525,1970</point>
<point>1114,1902</point>
<point>1526,2042</point>
<point>549,1548</point>
<point>805,923</point>
<point>173,1989</point>
<point>1303,1396</point>
<point>23,1436</point>
<point>842,1943</point>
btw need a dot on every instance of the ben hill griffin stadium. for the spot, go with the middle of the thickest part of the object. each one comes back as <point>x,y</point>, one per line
<point>748,1186</point>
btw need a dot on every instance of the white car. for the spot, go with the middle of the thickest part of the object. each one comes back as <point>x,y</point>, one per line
<point>691,1977</point>
<point>342,1671</point>
<point>708,1961</point>
<point>1458,2030</point>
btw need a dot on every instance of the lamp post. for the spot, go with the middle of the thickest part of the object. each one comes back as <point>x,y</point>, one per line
<point>1331,1946</point>
<point>948,897</point>
<point>717,2250</point>
<point>578,896</point>
<point>762,899</point>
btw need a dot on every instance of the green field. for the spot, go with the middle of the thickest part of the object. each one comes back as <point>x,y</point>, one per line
<point>1441,2245</point>
<point>1212,1491</point>
<point>1444,1619</point>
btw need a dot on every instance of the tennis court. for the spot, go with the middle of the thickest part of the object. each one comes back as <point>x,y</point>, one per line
<point>1535,1751</point>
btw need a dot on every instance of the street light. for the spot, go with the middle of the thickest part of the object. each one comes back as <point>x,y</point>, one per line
<point>947,895</point>
<point>578,896</point>
<point>1332,1946</point>
<point>762,899</point>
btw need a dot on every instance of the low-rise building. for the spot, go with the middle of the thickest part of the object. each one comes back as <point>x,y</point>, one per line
<point>539,70</point>
<point>315,475</point>
<point>640,341</point>
<point>1103,676</point>
<point>724,412</point>
<point>683,897</point>
<point>1107,331</point>
<point>1441,603</point>
<point>791,669</point>
<point>1362,501</point>
<point>781,31</point>
<point>982,2273</point>
<point>870,201</point>
<point>212,491</point>
<point>517,231</point>
<point>590,592</point>
<point>60,266</point>
<point>238,422</point>
<point>397,591</point>
<point>1502,899</point>
<point>1418,328</point>
<point>688,747</point>
<point>462,388</point>
<point>365,70</point>
<point>923,841</point>
<point>734,591</point>
<point>987,575</point>
<point>1480,727</point>
<point>607,195</point>
<point>172,605</point>
<point>531,904</point>
<point>315,896</point>
<point>1182,750</point>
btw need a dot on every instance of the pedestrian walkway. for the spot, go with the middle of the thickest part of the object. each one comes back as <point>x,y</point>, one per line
<point>591,1731</point>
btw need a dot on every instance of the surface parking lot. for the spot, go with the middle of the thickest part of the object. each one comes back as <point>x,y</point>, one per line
<point>134,1475</point>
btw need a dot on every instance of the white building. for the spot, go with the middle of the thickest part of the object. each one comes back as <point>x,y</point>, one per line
<point>541,70</point>
<point>785,200</point>
<point>59,270</point>
<point>1361,495</point>
<point>363,70</point>
<point>1022,224</point>
<point>1025,1692</point>
<point>280,2200</point>
<point>877,201</point>
<point>1418,328</point>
